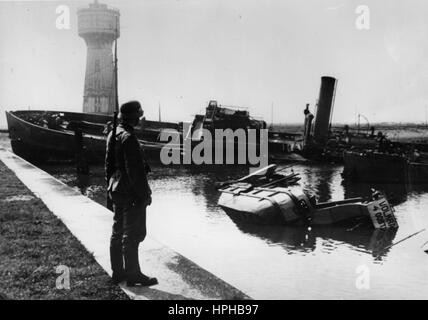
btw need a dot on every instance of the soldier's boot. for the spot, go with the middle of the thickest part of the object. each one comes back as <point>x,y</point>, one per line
<point>116,261</point>
<point>134,276</point>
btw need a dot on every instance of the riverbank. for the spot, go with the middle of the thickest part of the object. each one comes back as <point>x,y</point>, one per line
<point>34,242</point>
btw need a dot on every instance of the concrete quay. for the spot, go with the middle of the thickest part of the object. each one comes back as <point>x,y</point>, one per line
<point>179,278</point>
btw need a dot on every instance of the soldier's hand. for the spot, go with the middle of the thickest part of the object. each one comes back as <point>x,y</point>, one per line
<point>148,201</point>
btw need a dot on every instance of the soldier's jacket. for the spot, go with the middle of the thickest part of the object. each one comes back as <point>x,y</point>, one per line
<point>125,167</point>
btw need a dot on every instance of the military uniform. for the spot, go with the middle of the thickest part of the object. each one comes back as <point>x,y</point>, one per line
<point>128,188</point>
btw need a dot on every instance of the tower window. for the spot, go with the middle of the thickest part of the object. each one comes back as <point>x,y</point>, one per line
<point>97,65</point>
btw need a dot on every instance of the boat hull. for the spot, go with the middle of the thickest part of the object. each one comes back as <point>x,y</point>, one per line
<point>383,168</point>
<point>264,206</point>
<point>374,167</point>
<point>39,143</point>
<point>291,206</point>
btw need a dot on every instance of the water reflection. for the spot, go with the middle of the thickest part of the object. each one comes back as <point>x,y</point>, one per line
<point>396,193</point>
<point>207,176</point>
<point>302,239</point>
<point>319,180</point>
<point>83,181</point>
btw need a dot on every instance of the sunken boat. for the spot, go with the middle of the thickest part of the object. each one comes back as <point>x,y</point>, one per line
<point>387,161</point>
<point>322,141</point>
<point>267,199</point>
<point>40,136</point>
<point>237,122</point>
<point>386,167</point>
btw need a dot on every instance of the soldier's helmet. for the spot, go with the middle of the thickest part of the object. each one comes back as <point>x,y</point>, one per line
<point>131,111</point>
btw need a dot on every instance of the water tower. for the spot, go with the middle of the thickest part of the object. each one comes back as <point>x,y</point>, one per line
<point>99,26</point>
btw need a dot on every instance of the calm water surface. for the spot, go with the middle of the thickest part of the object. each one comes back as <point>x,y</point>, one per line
<point>283,262</point>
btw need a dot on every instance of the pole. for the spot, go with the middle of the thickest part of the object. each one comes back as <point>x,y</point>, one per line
<point>426,120</point>
<point>358,130</point>
<point>408,237</point>
<point>115,72</point>
<point>116,110</point>
<point>271,115</point>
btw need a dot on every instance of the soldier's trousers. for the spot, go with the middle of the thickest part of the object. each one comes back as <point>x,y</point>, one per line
<point>129,228</point>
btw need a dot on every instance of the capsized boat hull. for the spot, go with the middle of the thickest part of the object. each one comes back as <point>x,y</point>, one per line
<point>263,205</point>
<point>292,206</point>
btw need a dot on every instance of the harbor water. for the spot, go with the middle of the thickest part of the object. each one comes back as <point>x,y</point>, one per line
<point>279,262</point>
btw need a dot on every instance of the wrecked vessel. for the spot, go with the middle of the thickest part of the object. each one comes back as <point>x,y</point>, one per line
<point>39,135</point>
<point>273,204</point>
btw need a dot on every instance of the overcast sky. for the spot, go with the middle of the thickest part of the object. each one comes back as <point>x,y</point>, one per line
<point>183,53</point>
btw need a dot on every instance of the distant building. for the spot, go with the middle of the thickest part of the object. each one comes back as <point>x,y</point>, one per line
<point>99,26</point>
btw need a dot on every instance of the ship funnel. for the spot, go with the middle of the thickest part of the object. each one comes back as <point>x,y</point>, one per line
<point>324,110</point>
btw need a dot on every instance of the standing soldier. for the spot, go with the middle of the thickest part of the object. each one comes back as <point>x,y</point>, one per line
<point>128,188</point>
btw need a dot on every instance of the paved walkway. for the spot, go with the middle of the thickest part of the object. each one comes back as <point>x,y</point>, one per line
<point>179,278</point>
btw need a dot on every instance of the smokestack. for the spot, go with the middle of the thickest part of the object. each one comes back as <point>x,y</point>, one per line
<point>325,105</point>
